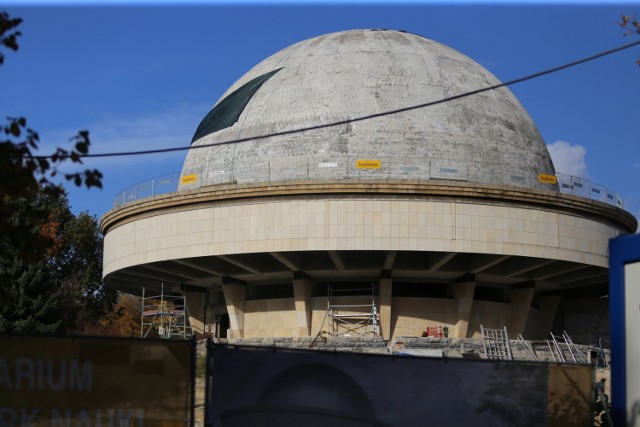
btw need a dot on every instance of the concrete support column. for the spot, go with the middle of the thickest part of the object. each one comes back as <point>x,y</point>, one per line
<point>549,304</point>
<point>302,297</point>
<point>521,299</point>
<point>234,296</point>
<point>463,291</point>
<point>385,289</point>
<point>195,305</point>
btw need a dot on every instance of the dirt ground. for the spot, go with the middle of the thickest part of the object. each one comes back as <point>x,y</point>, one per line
<point>199,410</point>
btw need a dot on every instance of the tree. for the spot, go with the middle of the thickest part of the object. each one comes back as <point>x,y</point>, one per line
<point>61,288</point>
<point>630,25</point>
<point>125,319</point>
<point>45,274</point>
<point>22,172</point>
<point>79,271</point>
<point>29,299</point>
<point>32,303</point>
<point>75,260</point>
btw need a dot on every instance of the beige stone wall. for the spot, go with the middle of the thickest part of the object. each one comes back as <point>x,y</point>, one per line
<point>535,328</point>
<point>277,317</point>
<point>195,302</point>
<point>270,318</point>
<point>411,316</point>
<point>356,224</point>
<point>319,318</point>
<point>492,315</point>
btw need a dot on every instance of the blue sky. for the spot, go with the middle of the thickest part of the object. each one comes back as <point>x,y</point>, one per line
<point>142,77</point>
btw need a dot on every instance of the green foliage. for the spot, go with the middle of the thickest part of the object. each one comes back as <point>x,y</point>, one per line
<point>30,302</point>
<point>17,159</point>
<point>50,260</point>
<point>8,33</point>
<point>59,288</point>
<point>22,171</point>
<point>25,176</point>
<point>78,266</point>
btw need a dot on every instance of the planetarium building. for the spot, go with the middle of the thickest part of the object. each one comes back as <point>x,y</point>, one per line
<point>343,185</point>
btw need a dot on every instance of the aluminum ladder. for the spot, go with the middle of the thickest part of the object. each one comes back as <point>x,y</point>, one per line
<point>496,343</point>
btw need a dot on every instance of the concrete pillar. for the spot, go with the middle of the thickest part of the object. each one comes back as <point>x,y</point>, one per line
<point>385,288</point>
<point>463,291</point>
<point>195,305</point>
<point>234,296</point>
<point>549,304</point>
<point>302,297</point>
<point>520,308</point>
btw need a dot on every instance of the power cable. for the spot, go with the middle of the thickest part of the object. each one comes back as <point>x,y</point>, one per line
<point>357,119</point>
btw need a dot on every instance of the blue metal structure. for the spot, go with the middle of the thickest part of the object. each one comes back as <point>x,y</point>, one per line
<point>623,250</point>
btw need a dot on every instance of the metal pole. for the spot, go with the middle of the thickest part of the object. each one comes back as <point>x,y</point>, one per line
<point>142,316</point>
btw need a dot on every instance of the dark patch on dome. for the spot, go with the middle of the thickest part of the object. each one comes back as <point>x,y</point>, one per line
<point>227,112</point>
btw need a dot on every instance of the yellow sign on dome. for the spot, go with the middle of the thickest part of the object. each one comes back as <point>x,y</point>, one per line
<point>189,179</point>
<point>547,179</point>
<point>368,164</point>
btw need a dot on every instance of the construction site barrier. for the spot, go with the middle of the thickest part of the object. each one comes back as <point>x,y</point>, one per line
<point>59,381</point>
<point>265,386</point>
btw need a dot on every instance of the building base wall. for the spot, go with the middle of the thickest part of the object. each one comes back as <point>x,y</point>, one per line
<point>410,317</point>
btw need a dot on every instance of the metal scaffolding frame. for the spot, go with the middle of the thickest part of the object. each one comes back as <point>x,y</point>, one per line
<point>359,319</point>
<point>163,315</point>
<point>528,348</point>
<point>496,343</point>
<point>562,348</point>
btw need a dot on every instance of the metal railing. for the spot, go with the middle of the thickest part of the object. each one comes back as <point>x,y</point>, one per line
<point>278,170</point>
<point>581,187</point>
<point>151,187</point>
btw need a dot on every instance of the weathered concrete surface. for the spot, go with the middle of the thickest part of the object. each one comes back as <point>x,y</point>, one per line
<point>449,347</point>
<point>356,73</point>
<point>327,343</point>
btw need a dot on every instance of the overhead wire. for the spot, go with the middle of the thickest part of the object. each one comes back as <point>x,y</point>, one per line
<point>354,119</point>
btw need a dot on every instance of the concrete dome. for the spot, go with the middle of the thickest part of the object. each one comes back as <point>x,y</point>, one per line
<point>486,138</point>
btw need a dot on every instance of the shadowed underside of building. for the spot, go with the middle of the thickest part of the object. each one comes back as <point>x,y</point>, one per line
<point>448,215</point>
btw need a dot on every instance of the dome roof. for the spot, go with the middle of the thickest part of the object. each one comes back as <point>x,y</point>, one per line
<point>487,137</point>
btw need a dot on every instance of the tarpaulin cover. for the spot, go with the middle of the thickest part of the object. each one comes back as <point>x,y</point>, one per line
<point>57,381</point>
<point>227,111</point>
<point>253,386</point>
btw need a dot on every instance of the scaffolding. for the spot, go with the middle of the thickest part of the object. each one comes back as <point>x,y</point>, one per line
<point>562,349</point>
<point>359,319</point>
<point>496,343</point>
<point>163,315</point>
<point>528,348</point>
